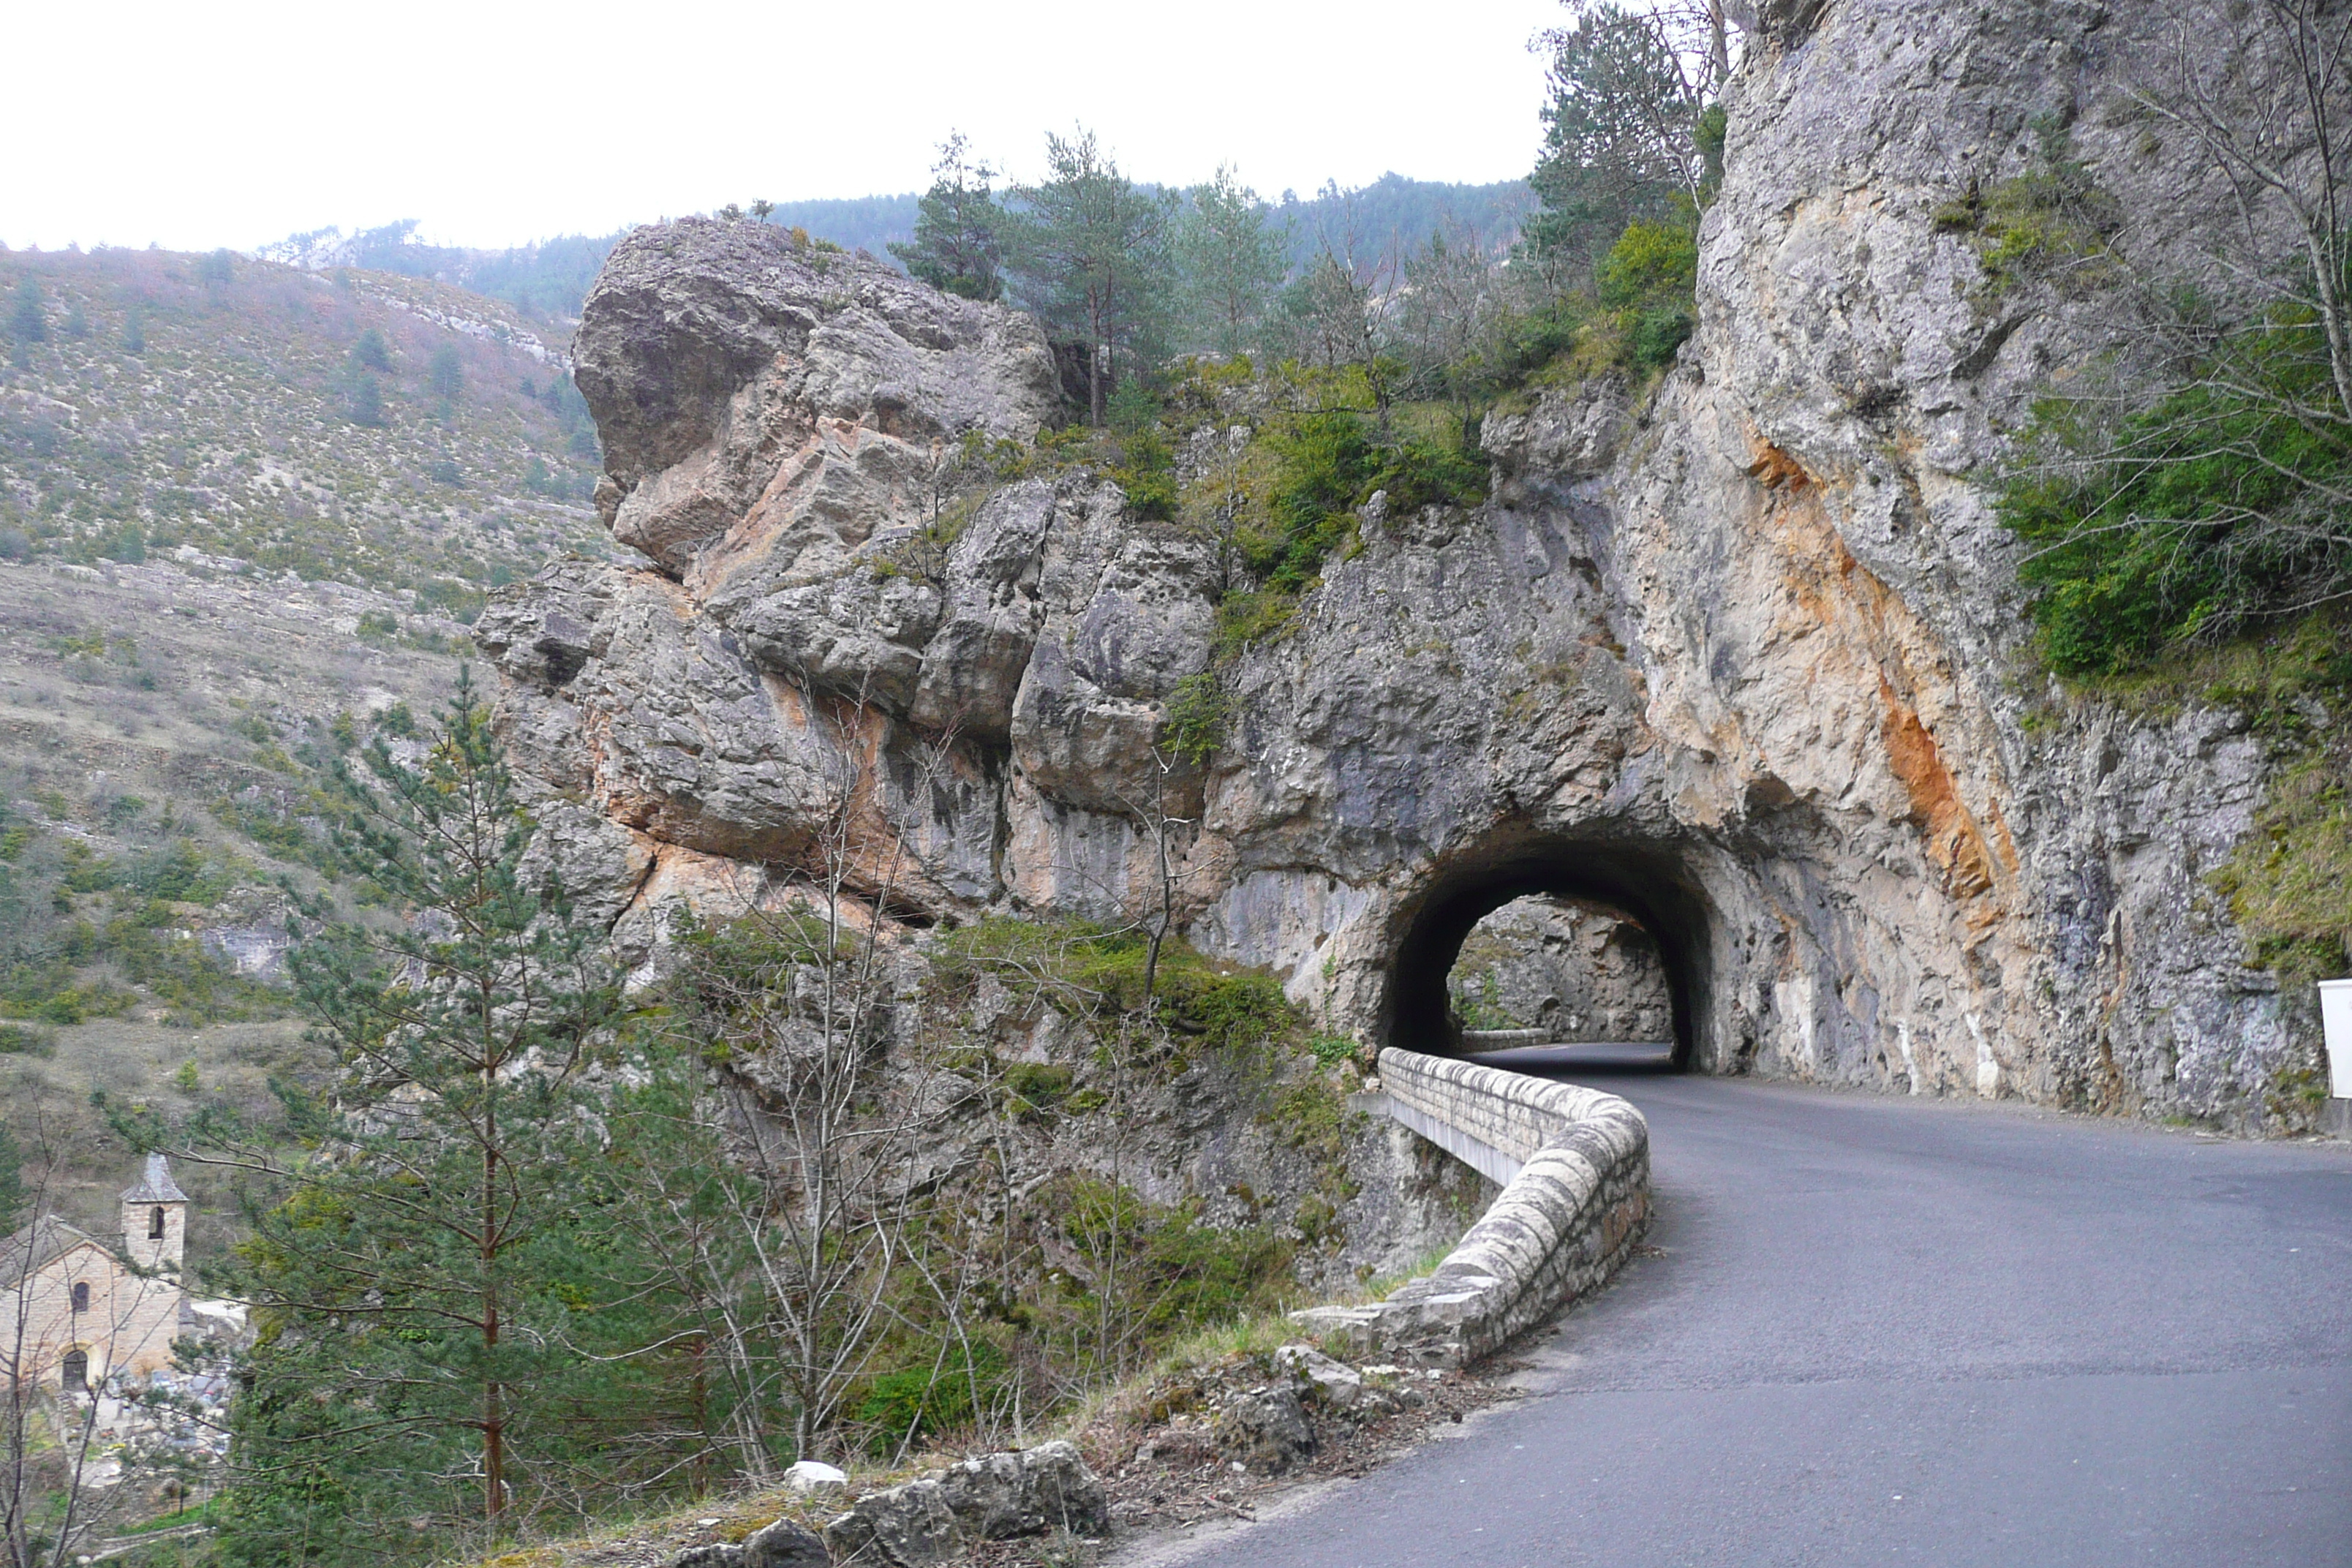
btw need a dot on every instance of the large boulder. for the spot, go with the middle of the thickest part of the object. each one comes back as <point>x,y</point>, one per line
<point>1265,1429</point>
<point>908,1526</point>
<point>1049,1487</point>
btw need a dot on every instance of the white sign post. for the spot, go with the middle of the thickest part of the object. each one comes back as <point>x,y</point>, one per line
<point>2336,1022</point>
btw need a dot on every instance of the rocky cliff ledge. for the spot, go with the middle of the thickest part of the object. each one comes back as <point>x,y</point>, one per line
<point>1740,654</point>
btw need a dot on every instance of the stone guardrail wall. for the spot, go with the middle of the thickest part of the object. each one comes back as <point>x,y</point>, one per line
<point>1575,1168</point>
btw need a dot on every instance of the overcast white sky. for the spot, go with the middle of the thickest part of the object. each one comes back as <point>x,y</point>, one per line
<point>496,122</point>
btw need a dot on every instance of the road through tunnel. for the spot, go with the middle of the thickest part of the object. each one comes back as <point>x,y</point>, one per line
<point>1582,941</point>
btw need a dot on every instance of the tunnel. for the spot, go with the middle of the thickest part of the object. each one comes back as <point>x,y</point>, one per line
<point>1652,885</point>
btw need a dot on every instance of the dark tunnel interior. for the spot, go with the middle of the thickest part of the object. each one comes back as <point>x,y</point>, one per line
<point>1650,885</point>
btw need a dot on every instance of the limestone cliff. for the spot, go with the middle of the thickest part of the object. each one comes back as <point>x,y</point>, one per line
<point>1740,653</point>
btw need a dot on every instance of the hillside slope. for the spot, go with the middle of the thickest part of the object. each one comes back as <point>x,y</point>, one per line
<point>385,431</point>
<point>213,579</point>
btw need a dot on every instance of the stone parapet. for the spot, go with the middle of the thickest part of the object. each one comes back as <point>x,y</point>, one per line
<point>1576,1200</point>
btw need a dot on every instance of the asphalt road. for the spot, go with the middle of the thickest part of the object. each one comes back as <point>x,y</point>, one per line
<point>1887,1331</point>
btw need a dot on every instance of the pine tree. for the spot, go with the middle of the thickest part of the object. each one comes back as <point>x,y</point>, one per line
<point>1620,140</point>
<point>1091,254</point>
<point>429,1264</point>
<point>956,246</point>
<point>134,336</point>
<point>447,376</point>
<point>27,321</point>
<point>1232,260</point>
<point>371,351</point>
<point>367,403</point>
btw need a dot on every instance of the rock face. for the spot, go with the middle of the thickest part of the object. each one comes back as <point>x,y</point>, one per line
<point>1576,971</point>
<point>999,1497</point>
<point>1739,654</point>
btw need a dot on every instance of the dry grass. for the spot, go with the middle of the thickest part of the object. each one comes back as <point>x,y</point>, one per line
<point>48,1104</point>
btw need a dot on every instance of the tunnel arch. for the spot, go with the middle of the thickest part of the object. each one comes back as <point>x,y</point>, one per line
<point>1652,884</point>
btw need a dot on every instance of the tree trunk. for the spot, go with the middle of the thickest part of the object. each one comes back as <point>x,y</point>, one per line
<point>494,1426</point>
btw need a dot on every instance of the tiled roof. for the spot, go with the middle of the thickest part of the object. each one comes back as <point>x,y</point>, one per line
<point>36,1245</point>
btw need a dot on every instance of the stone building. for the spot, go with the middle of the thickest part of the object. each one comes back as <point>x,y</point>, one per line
<point>75,1311</point>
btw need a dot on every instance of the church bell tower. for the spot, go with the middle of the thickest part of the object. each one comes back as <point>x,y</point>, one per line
<point>155,1219</point>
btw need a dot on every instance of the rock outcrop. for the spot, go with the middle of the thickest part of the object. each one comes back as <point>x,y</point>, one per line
<point>997,1497</point>
<point>1739,654</point>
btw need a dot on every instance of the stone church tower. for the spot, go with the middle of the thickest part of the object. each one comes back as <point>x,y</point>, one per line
<point>155,1219</point>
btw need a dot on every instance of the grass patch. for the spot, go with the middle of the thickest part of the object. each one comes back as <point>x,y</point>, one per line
<point>2051,224</point>
<point>2289,882</point>
<point>1077,964</point>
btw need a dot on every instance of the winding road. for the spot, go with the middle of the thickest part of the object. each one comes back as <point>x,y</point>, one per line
<point>1889,1331</point>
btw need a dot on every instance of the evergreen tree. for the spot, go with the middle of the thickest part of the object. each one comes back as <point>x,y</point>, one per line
<point>447,376</point>
<point>956,246</point>
<point>1621,139</point>
<point>134,334</point>
<point>371,353</point>
<point>27,321</point>
<point>1091,253</point>
<point>366,402</point>
<point>1232,259</point>
<point>428,1278</point>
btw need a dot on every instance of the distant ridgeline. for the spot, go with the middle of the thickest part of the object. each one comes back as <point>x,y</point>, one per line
<point>549,278</point>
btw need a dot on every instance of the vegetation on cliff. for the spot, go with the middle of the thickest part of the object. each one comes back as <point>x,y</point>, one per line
<point>1264,407</point>
<point>2189,513</point>
<point>533,1254</point>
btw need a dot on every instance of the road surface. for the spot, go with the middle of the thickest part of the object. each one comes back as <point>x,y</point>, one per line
<point>1890,1331</point>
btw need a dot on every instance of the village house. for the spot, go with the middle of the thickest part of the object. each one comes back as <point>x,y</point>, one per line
<point>75,1311</point>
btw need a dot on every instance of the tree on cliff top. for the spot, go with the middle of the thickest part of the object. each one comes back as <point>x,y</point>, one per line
<point>1091,254</point>
<point>955,246</point>
<point>1233,259</point>
<point>1627,131</point>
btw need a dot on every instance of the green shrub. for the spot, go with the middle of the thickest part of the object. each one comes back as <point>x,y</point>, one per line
<point>1311,1116</point>
<point>2190,519</point>
<point>1323,465</point>
<point>1145,468</point>
<point>1175,1272</point>
<point>931,1397</point>
<point>1236,1010</point>
<point>1331,1050</point>
<point>16,1040</point>
<point>1037,1086</point>
<point>1194,724</point>
<point>1659,333</point>
<point>1651,262</point>
<point>2052,223</point>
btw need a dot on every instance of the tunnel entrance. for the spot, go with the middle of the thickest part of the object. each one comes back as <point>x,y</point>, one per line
<point>1615,936</point>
